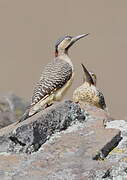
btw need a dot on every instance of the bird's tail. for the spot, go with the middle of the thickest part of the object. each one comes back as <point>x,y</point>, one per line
<point>24,116</point>
<point>27,114</point>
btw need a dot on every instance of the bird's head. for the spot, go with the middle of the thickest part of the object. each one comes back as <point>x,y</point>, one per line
<point>63,44</point>
<point>89,77</point>
<point>94,77</point>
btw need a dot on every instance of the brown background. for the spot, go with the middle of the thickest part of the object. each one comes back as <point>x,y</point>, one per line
<point>29,29</point>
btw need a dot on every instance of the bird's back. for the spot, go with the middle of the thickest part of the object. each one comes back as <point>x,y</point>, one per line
<point>84,93</point>
<point>89,94</point>
<point>54,76</point>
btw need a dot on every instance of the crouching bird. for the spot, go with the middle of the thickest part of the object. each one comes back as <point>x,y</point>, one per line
<point>88,93</point>
<point>55,79</point>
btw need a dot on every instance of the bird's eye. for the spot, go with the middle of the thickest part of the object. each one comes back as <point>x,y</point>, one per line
<point>94,75</point>
<point>68,39</point>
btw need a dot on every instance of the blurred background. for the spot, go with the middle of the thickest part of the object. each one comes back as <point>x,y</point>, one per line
<point>29,30</point>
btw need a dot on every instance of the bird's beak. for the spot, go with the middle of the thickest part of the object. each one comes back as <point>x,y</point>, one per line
<point>88,78</point>
<point>76,38</point>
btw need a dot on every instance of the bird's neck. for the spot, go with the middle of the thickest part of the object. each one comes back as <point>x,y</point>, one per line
<point>65,57</point>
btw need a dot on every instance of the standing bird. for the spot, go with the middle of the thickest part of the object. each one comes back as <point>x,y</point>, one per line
<point>55,79</point>
<point>88,93</point>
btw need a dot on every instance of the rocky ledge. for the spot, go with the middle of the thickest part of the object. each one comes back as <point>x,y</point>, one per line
<point>67,141</point>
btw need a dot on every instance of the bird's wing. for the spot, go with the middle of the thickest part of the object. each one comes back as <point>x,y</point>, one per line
<point>54,76</point>
<point>101,100</point>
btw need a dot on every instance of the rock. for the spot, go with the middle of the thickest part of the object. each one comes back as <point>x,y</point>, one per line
<point>30,135</point>
<point>68,143</point>
<point>119,153</point>
<point>96,112</point>
<point>11,108</point>
<point>16,104</point>
<point>117,156</point>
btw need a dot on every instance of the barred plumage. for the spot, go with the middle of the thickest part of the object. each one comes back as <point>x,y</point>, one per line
<point>54,76</point>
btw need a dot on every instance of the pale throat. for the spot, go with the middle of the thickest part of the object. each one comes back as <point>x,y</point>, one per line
<point>64,56</point>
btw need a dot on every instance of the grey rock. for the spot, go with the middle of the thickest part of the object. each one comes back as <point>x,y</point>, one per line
<point>64,142</point>
<point>16,104</point>
<point>11,108</point>
<point>118,155</point>
<point>30,136</point>
<point>61,143</point>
